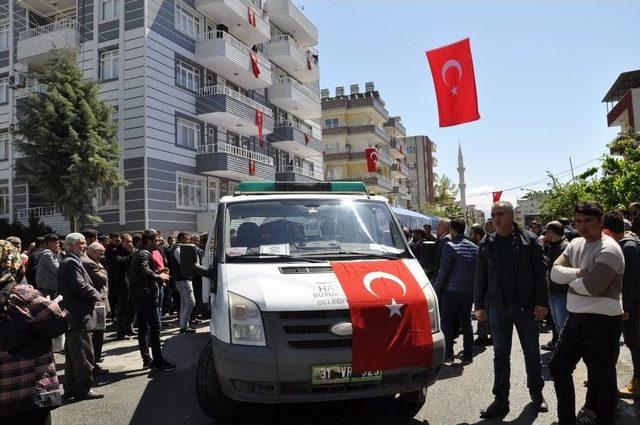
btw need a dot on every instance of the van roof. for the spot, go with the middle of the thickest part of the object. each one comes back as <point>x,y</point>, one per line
<point>298,195</point>
<point>249,187</point>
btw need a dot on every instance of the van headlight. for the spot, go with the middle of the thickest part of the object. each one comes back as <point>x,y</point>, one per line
<point>246,321</point>
<point>432,300</point>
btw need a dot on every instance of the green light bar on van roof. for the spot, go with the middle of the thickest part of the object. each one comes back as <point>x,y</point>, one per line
<point>271,186</point>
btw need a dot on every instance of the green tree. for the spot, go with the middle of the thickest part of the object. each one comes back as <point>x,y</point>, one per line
<point>560,198</point>
<point>68,142</point>
<point>445,191</point>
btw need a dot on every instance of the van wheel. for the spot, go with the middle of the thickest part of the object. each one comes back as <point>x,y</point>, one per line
<point>210,397</point>
<point>414,398</point>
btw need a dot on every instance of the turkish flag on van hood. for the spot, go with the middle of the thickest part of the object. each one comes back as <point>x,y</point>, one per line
<point>389,313</point>
<point>455,83</point>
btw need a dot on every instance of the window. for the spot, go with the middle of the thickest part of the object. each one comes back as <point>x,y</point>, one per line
<point>109,64</point>
<point>4,89</point>
<point>213,191</point>
<point>334,173</point>
<point>411,149</point>
<point>187,133</point>
<point>110,9</point>
<point>333,147</point>
<point>4,200</point>
<point>187,76</point>
<point>4,146</point>
<point>189,192</point>
<point>186,21</point>
<point>331,122</point>
<point>4,36</point>
<point>108,198</point>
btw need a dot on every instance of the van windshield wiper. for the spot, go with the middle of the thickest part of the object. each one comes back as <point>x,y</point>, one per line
<point>253,255</point>
<point>358,253</point>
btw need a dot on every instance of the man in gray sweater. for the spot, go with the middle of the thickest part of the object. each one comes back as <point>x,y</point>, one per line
<point>593,267</point>
<point>48,263</point>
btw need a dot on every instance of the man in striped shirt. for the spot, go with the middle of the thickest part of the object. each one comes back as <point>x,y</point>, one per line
<point>593,267</point>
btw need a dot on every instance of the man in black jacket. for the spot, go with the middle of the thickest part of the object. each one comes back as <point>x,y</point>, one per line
<point>118,258</point>
<point>79,299</point>
<point>630,244</point>
<point>556,244</point>
<point>145,284</point>
<point>511,290</point>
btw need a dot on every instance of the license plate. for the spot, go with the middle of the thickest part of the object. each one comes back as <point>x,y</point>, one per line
<point>341,374</point>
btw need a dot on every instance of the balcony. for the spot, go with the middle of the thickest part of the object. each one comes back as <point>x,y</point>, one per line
<point>295,173</point>
<point>235,15</point>
<point>293,97</point>
<point>296,138</point>
<point>395,126</point>
<point>45,8</point>
<point>399,171</point>
<point>220,105</point>
<point>397,147</point>
<point>231,59</point>
<point>297,61</point>
<point>290,19</point>
<point>379,135</point>
<point>357,103</point>
<point>234,162</point>
<point>401,190</point>
<point>375,182</point>
<point>28,91</point>
<point>37,45</point>
<point>383,157</point>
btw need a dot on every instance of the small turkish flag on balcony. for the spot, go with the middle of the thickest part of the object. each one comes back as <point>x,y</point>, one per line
<point>372,159</point>
<point>496,196</point>
<point>308,63</point>
<point>259,125</point>
<point>306,139</point>
<point>254,64</point>
<point>252,17</point>
<point>252,167</point>
<point>455,83</point>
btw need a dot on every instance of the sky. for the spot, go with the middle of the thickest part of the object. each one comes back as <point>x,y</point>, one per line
<point>541,67</point>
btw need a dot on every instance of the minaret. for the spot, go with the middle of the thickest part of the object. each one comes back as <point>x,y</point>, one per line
<point>462,185</point>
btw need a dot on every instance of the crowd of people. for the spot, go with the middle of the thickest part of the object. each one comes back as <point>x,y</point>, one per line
<point>64,290</point>
<point>582,276</point>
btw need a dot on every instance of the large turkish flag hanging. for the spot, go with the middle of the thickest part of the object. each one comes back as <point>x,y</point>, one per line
<point>389,313</point>
<point>455,83</point>
<point>372,159</point>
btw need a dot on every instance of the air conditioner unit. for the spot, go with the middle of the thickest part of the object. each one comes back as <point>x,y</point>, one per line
<point>17,80</point>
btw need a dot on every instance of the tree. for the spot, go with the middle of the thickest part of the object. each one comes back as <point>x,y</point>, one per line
<point>445,191</point>
<point>27,234</point>
<point>560,198</point>
<point>68,142</point>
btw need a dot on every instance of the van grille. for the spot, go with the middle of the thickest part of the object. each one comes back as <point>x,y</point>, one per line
<point>312,329</point>
<point>305,270</point>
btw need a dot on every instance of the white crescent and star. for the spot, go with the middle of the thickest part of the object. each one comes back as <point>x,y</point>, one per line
<point>394,308</point>
<point>452,63</point>
<point>373,156</point>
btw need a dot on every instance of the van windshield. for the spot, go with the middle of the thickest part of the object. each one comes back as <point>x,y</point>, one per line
<point>311,228</point>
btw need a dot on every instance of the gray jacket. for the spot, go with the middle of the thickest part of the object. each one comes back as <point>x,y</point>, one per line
<point>47,273</point>
<point>79,295</point>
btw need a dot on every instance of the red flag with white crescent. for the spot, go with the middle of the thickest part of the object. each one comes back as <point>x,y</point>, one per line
<point>389,314</point>
<point>252,17</point>
<point>254,64</point>
<point>496,196</point>
<point>259,122</point>
<point>252,167</point>
<point>455,83</point>
<point>372,159</point>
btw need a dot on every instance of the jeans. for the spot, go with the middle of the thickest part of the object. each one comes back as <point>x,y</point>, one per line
<point>187,302</point>
<point>502,321</point>
<point>149,321</point>
<point>631,331</point>
<point>456,309</point>
<point>596,339</point>
<point>558,307</point>
<point>78,364</point>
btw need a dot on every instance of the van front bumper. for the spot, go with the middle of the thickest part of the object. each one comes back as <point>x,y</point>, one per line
<point>282,374</point>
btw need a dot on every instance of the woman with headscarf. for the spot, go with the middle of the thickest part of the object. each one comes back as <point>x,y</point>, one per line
<point>28,382</point>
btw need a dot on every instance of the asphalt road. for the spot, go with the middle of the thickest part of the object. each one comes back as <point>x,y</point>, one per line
<point>136,396</point>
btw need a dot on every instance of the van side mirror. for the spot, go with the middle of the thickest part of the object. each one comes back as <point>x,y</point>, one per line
<point>191,267</point>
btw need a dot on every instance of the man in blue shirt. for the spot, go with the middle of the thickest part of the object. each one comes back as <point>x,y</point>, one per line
<point>454,287</point>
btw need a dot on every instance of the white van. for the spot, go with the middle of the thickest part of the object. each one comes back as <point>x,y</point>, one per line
<point>280,325</point>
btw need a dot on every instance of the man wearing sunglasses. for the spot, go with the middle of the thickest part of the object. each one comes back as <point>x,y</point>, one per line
<point>511,290</point>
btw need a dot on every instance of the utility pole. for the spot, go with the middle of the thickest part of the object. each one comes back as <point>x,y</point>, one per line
<point>573,178</point>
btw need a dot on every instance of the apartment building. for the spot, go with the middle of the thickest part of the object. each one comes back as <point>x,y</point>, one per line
<point>420,162</point>
<point>623,101</point>
<point>207,93</point>
<point>357,121</point>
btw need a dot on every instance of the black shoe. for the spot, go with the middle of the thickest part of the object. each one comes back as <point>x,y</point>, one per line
<point>495,409</point>
<point>98,371</point>
<point>585,417</point>
<point>187,331</point>
<point>483,341</point>
<point>91,395</point>
<point>163,365</point>
<point>123,337</point>
<point>147,363</point>
<point>100,360</point>
<point>540,403</point>
<point>449,360</point>
<point>550,346</point>
<point>466,361</point>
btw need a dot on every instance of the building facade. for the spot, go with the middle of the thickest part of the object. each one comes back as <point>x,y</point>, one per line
<point>420,163</point>
<point>529,207</point>
<point>357,121</point>
<point>206,92</point>
<point>623,101</point>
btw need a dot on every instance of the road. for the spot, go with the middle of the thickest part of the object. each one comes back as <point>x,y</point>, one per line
<point>138,396</point>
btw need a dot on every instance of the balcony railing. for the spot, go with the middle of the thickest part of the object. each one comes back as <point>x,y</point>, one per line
<point>227,37</point>
<point>221,147</point>
<point>49,28</point>
<point>298,126</point>
<point>220,89</point>
<point>28,91</point>
<point>45,211</point>
<point>287,168</point>
<point>313,95</point>
<point>299,53</point>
